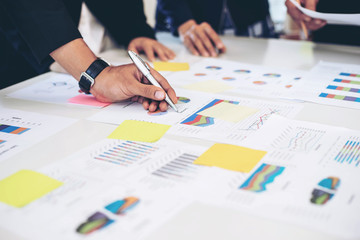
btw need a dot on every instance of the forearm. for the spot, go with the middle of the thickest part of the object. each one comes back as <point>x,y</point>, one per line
<point>75,57</point>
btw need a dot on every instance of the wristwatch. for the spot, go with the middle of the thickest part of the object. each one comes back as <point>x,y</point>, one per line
<point>87,78</point>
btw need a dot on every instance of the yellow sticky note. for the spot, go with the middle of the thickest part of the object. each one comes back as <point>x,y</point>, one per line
<point>171,66</point>
<point>25,186</point>
<point>228,112</point>
<point>210,86</point>
<point>231,157</point>
<point>139,131</point>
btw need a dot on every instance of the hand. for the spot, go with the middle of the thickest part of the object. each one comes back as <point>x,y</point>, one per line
<point>298,16</point>
<point>200,39</point>
<point>151,47</point>
<point>119,83</point>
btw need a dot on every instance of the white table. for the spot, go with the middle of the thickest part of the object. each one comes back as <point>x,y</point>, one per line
<point>198,221</point>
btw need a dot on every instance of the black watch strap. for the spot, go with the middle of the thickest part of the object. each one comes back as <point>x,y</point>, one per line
<point>87,78</point>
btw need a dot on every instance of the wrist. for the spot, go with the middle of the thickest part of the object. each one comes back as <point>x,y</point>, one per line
<point>87,78</point>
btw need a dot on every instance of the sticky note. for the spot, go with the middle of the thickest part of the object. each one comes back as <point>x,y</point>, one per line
<point>231,157</point>
<point>210,86</point>
<point>139,131</point>
<point>171,66</point>
<point>88,100</point>
<point>228,112</point>
<point>25,186</point>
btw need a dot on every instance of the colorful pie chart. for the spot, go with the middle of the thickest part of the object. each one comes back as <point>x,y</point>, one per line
<point>213,67</point>
<point>242,71</point>
<point>229,78</point>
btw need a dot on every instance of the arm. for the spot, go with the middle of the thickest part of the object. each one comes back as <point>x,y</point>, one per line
<point>126,22</point>
<point>114,83</point>
<point>48,29</point>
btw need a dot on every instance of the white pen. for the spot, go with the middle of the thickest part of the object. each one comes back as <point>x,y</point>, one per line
<point>144,69</point>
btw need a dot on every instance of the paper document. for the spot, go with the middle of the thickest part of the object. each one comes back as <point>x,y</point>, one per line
<point>215,76</point>
<point>331,18</point>
<point>331,84</point>
<point>248,115</point>
<point>20,130</point>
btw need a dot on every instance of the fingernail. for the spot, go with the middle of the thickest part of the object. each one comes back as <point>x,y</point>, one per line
<point>206,54</point>
<point>318,21</point>
<point>159,95</point>
<point>220,45</point>
<point>307,19</point>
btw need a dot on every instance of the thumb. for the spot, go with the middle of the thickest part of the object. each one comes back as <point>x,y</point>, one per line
<point>311,4</point>
<point>149,91</point>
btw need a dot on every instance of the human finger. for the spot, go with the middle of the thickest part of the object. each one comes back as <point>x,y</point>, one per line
<point>200,32</point>
<point>132,47</point>
<point>146,103</point>
<point>153,106</point>
<point>315,24</point>
<point>163,106</point>
<point>169,53</point>
<point>149,52</point>
<point>164,84</point>
<point>199,45</point>
<point>160,52</point>
<point>295,13</point>
<point>146,90</point>
<point>311,4</point>
<point>214,37</point>
<point>189,44</point>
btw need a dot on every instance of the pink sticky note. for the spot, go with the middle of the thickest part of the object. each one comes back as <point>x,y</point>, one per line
<point>88,100</point>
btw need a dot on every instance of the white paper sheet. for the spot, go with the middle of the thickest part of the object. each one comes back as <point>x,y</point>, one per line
<point>164,182</point>
<point>56,88</point>
<point>189,123</point>
<point>247,79</point>
<point>331,84</point>
<point>306,155</point>
<point>331,18</point>
<point>20,130</point>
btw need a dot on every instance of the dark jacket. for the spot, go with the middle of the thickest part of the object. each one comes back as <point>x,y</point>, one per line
<point>31,29</point>
<point>170,14</point>
<point>338,33</point>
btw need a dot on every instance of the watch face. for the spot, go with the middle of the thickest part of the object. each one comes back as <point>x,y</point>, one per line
<point>86,82</point>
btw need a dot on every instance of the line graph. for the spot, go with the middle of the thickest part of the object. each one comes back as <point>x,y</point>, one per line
<point>259,122</point>
<point>299,139</point>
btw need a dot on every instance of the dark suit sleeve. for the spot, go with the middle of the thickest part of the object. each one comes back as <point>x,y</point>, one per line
<point>45,25</point>
<point>124,19</point>
<point>176,13</point>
